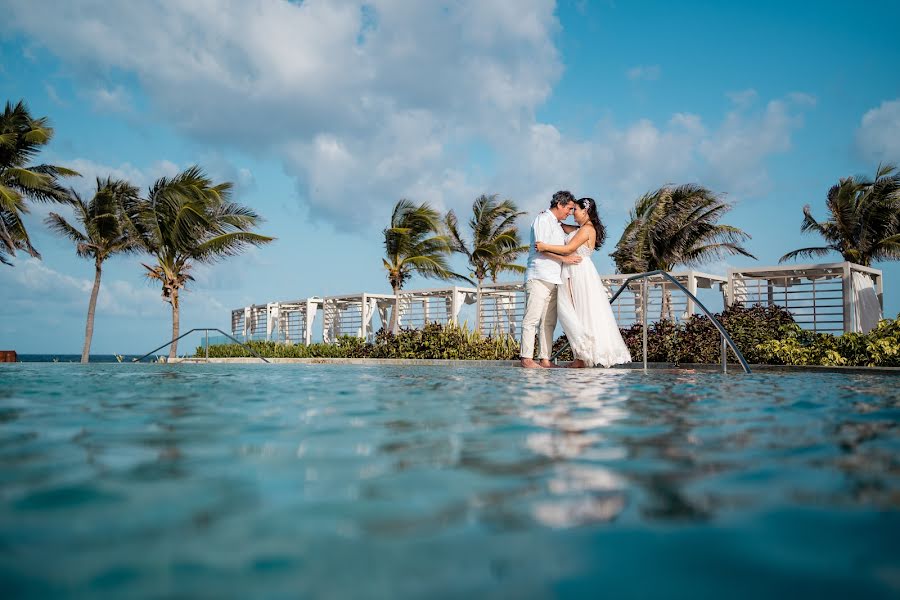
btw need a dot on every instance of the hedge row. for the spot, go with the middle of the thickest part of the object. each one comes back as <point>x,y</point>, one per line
<point>766,335</point>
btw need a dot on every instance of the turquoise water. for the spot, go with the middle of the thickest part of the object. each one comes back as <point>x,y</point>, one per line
<point>287,481</point>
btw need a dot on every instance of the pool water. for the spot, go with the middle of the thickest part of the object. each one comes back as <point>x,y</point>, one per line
<point>370,481</point>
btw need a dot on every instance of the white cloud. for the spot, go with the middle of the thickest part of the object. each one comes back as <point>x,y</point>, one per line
<point>619,162</point>
<point>361,99</point>
<point>368,102</point>
<point>878,135</point>
<point>68,294</point>
<point>736,153</point>
<point>58,292</point>
<point>115,99</point>
<point>644,73</point>
<point>54,95</point>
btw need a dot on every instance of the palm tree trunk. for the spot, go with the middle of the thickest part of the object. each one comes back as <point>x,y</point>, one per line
<point>395,314</point>
<point>92,307</point>
<point>173,349</point>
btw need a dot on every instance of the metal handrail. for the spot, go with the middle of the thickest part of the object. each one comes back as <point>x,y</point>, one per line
<point>726,339</point>
<point>207,330</point>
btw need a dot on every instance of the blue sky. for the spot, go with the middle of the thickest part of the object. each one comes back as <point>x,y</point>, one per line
<point>325,113</point>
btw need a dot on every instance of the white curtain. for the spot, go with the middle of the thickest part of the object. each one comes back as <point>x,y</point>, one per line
<point>384,313</point>
<point>310,317</point>
<point>371,309</point>
<point>460,298</point>
<point>866,308</point>
<point>273,313</point>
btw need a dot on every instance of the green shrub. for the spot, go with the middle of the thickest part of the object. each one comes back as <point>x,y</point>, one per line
<point>765,335</point>
<point>698,341</point>
<point>878,348</point>
<point>434,341</point>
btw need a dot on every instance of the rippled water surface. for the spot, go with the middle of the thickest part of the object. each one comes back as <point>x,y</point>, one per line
<point>344,481</point>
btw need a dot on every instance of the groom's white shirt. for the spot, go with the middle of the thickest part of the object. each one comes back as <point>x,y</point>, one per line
<point>546,228</point>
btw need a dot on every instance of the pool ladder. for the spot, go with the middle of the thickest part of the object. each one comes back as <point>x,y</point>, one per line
<point>727,342</point>
<point>206,330</point>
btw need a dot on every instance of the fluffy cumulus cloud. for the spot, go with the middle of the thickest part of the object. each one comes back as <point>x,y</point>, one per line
<point>47,300</point>
<point>361,99</point>
<point>69,295</point>
<point>878,136</point>
<point>622,161</point>
<point>369,101</point>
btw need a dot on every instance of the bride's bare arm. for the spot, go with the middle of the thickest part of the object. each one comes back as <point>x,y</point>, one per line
<point>584,233</point>
<point>569,228</point>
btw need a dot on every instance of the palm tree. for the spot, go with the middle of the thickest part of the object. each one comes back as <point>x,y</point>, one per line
<point>21,139</point>
<point>105,233</point>
<point>186,220</point>
<point>495,238</point>
<point>415,243</point>
<point>676,226</point>
<point>864,221</point>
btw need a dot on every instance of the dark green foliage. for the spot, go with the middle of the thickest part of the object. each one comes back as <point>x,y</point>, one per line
<point>698,341</point>
<point>765,335</point>
<point>878,348</point>
<point>435,341</point>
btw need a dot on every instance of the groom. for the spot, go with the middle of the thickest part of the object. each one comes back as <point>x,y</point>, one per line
<point>541,278</point>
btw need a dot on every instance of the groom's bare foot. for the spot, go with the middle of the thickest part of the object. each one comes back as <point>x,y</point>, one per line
<point>528,363</point>
<point>548,365</point>
<point>576,364</point>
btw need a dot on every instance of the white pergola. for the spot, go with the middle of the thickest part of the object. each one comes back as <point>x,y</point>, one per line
<point>833,298</point>
<point>436,305</point>
<point>353,315</point>
<point>289,322</point>
<point>664,299</point>
<point>500,308</point>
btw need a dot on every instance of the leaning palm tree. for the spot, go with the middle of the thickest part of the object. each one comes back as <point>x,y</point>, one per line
<point>104,233</point>
<point>186,220</point>
<point>21,139</point>
<point>676,226</point>
<point>415,243</point>
<point>495,238</point>
<point>864,221</point>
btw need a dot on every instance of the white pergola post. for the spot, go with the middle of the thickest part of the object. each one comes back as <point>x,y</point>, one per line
<point>847,289</point>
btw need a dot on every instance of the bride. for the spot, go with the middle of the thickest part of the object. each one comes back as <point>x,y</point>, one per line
<point>582,305</point>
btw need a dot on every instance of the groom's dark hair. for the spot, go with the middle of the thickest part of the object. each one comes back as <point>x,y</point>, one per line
<point>561,197</point>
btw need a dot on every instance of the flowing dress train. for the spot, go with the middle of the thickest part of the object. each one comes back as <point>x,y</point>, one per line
<point>585,314</point>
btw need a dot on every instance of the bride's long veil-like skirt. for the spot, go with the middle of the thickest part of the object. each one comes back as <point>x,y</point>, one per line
<point>587,318</point>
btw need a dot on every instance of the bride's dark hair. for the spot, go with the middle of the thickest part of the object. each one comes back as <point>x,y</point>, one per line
<point>590,205</point>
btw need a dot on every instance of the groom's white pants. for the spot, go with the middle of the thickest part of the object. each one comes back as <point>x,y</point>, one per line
<point>540,308</point>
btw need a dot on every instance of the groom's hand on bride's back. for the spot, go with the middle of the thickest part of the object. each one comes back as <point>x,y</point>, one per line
<point>571,259</point>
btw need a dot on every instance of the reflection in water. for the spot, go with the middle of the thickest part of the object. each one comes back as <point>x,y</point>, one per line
<point>575,417</point>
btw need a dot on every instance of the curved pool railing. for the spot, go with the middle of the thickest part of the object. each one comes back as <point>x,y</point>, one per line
<point>207,330</point>
<point>727,342</point>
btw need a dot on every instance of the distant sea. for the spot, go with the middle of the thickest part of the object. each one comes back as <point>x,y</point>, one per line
<point>65,358</point>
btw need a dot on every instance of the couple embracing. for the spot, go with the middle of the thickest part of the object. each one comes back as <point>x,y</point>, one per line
<point>562,283</point>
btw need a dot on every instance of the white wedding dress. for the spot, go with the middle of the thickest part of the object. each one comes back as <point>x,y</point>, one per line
<point>585,314</point>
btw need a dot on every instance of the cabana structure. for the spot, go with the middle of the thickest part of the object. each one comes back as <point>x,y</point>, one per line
<point>439,305</point>
<point>501,307</point>
<point>289,322</point>
<point>664,299</point>
<point>832,298</point>
<point>249,323</point>
<point>354,315</point>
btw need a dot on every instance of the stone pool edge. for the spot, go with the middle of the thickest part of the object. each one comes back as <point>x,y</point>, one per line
<point>425,362</point>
